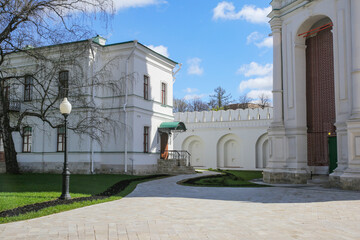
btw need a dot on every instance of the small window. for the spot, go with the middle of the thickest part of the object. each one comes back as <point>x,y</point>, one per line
<point>6,92</point>
<point>1,144</point>
<point>27,139</point>
<point>146,87</point>
<point>163,93</point>
<point>146,139</point>
<point>28,85</point>
<point>61,139</point>
<point>63,84</point>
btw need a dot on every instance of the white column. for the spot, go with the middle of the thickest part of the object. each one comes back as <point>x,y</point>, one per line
<point>278,119</point>
<point>355,49</point>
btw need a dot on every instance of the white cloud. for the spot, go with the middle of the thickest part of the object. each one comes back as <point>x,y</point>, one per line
<point>256,83</point>
<point>194,96</point>
<point>261,82</point>
<point>191,90</point>
<point>259,40</point>
<point>253,37</point>
<point>122,4</point>
<point>160,49</point>
<point>267,42</point>
<point>194,66</point>
<point>255,69</point>
<point>250,13</point>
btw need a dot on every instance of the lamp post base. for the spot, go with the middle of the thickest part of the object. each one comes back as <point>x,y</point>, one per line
<point>65,196</point>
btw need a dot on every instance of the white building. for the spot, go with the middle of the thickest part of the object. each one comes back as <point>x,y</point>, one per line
<point>316,91</point>
<point>137,110</point>
<point>226,139</point>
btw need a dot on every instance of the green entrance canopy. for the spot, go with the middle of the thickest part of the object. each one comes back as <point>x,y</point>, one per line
<point>172,126</point>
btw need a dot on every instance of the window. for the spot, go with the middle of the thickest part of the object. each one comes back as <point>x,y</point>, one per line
<point>1,144</point>
<point>63,84</point>
<point>163,93</point>
<point>146,139</point>
<point>28,88</point>
<point>61,139</point>
<point>146,87</point>
<point>6,92</point>
<point>27,139</point>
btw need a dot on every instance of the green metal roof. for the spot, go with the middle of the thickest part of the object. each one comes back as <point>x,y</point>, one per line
<point>172,126</point>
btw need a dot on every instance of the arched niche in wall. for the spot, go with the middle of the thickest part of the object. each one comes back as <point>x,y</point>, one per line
<point>229,152</point>
<point>262,151</point>
<point>195,146</point>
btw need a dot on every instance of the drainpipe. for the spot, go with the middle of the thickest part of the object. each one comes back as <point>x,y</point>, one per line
<point>93,100</point>
<point>126,99</point>
<point>174,73</point>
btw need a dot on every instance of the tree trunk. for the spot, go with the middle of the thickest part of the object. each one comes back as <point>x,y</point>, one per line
<point>9,147</point>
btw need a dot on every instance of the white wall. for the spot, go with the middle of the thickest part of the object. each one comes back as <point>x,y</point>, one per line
<point>225,139</point>
<point>108,155</point>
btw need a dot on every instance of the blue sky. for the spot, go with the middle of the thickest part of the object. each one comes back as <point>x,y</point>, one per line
<point>219,43</point>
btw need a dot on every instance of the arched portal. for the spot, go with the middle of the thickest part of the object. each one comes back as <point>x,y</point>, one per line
<point>229,152</point>
<point>262,151</point>
<point>195,146</point>
<point>320,93</point>
<point>231,156</point>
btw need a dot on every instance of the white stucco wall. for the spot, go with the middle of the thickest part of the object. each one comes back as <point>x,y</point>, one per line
<point>225,139</point>
<point>108,155</point>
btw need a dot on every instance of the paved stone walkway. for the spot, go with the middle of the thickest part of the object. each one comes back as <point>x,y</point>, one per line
<point>162,209</point>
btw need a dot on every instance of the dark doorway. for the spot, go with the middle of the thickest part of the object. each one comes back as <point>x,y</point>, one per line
<point>164,145</point>
<point>320,94</point>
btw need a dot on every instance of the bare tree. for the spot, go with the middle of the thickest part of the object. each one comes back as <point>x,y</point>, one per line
<point>220,99</point>
<point>264,100</point>
<point>197,104</point>
<point>244,101</point>
<point>180,105</point>
<point>36,23</point>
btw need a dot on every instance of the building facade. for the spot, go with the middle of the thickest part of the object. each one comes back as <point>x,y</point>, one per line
<point>235,139</point>
<point>136,102</point>
<point>316,123</point>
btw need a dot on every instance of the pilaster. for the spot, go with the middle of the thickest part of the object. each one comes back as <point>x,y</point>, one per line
<point>276,27</point>
<point>355,49</point>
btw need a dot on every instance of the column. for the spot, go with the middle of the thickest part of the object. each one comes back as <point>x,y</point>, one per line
<point>278,119</point>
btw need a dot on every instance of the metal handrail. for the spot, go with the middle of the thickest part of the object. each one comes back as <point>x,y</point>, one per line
<point>179,154</point>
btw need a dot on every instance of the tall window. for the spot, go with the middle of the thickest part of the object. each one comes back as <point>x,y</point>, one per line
<point>146,139</point>
<point>146,87</point>
<point>27,139</point>
<point>7,92</point>
<point>61,139</point>
<point>63,84</point>
<point>163,93</point>
<point>28,84</point>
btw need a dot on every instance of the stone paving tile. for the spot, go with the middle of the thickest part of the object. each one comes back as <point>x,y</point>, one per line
<point>162,209</point>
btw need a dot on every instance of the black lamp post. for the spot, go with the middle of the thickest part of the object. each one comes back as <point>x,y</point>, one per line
<point>65,109</point>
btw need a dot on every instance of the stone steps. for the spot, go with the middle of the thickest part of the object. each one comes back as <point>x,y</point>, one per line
<point>174,166</point>
<point>319,180</point>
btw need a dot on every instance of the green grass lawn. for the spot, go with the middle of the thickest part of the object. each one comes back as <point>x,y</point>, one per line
<point>229,178</point>
<point>25,189</point>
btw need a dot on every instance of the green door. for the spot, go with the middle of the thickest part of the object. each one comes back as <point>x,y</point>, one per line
<point>332,153</point>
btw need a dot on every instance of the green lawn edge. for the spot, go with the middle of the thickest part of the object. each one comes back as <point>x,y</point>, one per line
<point>244,182</point>
<point>67,207</point>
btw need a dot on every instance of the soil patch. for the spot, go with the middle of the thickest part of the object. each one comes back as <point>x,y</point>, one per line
<point>113,190</point>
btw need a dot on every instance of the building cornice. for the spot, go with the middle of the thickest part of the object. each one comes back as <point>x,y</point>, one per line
<point>283,7</point>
